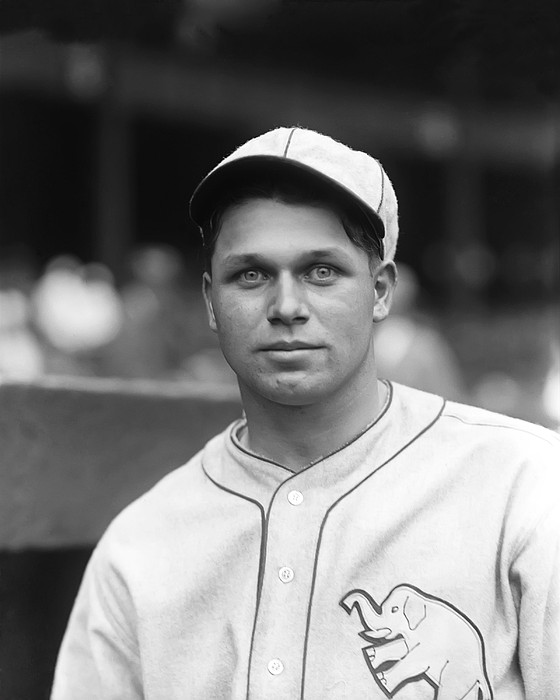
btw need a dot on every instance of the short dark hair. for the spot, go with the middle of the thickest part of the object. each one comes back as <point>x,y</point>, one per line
<point>290,188</point>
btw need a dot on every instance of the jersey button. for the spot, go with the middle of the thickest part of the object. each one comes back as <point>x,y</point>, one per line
<point>275,667</point>
<point>295,497</point>
<point>285,574</point>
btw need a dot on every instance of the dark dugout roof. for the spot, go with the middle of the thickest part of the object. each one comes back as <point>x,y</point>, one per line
<point>501,50</point>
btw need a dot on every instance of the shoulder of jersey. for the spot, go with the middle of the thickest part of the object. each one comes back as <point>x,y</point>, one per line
<point>485,424</point>
<point>175,492</point>
<point>482,418</point>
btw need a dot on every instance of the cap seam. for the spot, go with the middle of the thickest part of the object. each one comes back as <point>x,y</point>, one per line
<point>382,187</point>
<point>288,142</point>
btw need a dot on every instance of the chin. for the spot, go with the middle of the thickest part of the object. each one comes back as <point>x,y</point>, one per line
<point>295,391</point>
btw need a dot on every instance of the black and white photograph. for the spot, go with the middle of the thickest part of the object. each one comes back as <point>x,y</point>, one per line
<point>279,350</point>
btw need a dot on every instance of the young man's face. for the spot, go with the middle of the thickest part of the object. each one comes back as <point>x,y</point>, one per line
<point>293,301</point>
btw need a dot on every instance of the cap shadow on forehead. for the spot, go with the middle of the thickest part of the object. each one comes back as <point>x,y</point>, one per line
<point>289,188</point>
<point>260,228</point>
<point>304,257</point>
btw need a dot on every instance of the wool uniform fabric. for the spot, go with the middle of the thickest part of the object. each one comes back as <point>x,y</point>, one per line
<point>418,561</point>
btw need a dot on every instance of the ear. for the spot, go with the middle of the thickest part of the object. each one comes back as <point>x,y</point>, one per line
<point>207,294</point>
<point>414,610</point>
<point>385,277</point>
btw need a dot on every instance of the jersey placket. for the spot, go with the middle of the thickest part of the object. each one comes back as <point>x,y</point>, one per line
<point>293,526</point>
<point>293,531</point>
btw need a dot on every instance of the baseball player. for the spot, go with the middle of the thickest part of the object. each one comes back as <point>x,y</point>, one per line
<point>347,537</point>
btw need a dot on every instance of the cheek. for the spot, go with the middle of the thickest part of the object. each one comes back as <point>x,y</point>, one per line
<point>235,319</point>
<point>351,320</point>
<point>226,310</point>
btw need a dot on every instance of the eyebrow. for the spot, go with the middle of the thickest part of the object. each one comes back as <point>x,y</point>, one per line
<point>244,259</point>
<point>308,255</point>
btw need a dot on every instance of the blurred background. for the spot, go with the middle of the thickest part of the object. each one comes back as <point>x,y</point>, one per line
<point>112,110</point>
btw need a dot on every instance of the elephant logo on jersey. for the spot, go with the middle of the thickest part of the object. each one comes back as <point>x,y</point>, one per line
<point>416,637</point>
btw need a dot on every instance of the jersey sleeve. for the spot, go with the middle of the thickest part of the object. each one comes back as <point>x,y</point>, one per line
<point>98,658</point>
<point>535,573</point>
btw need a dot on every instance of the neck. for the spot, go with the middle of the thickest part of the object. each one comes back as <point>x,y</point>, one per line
<point>296,436</point>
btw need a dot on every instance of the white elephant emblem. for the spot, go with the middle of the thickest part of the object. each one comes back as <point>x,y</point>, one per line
<point>414,636</point>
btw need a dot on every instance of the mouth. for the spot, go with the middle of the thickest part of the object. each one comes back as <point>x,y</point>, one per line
<point>287,353</point>
<point>289,346</point>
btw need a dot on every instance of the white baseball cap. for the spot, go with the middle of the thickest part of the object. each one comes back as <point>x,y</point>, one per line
<point>354,175</point>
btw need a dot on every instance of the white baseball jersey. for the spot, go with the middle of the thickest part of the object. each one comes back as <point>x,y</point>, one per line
<point>419,561</point>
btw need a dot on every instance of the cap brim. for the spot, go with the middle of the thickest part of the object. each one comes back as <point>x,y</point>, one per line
<point>215,185</point>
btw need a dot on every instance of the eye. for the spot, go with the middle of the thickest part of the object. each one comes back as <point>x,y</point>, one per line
<point>395,609</point>
<point>322,273</point>
<point>251,276</point>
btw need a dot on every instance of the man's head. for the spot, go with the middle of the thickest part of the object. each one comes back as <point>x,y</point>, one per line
<point>298,271</point>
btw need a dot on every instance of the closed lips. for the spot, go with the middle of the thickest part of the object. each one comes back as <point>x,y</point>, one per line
<point>291,346</point>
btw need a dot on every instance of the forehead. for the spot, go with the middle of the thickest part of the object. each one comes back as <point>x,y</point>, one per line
<point>270,226</point>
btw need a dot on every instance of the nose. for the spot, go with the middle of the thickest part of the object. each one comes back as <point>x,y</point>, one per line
<point>287,304</point>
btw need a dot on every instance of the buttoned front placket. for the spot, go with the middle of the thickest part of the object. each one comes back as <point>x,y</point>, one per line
<point>294,523</point>
<point>293,531</point>
<point>293,526</point>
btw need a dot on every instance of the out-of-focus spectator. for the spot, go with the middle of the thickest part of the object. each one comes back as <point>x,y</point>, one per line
<point>20,353</point>
<point>517,359</point>
<point>410,348</point>
<point>78,312</point>
<point>499,392</point>
<point>164,318</point>
<point>21,357</point>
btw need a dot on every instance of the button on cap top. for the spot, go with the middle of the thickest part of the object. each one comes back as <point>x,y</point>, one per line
<point>295,498</point>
